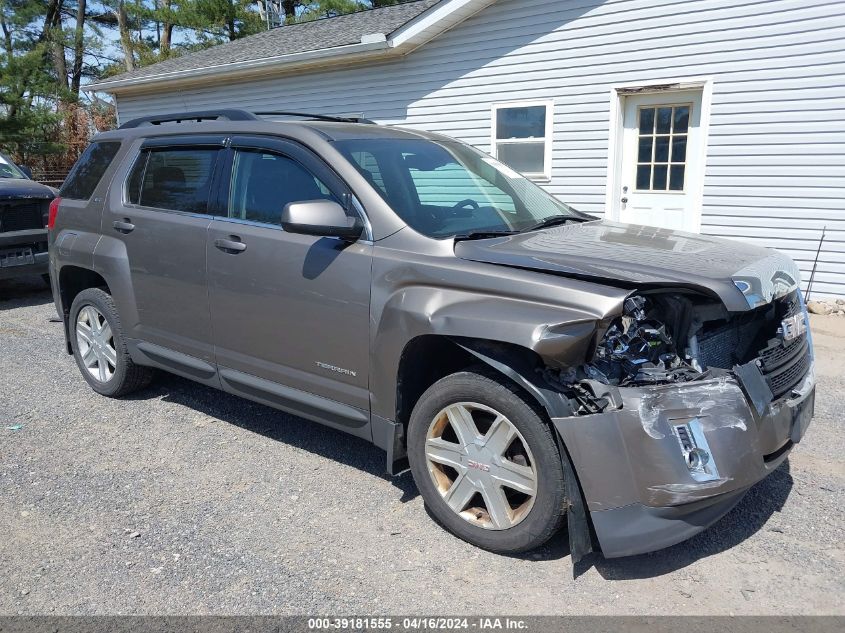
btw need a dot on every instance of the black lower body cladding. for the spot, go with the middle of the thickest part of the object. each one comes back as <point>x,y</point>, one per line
<point>676,458</point>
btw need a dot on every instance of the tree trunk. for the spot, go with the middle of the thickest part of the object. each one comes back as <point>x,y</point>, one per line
<point>54,36</point>
<point>57,44</point>
<point>166,30</point>
<point>125,36</point>
<point>78,47</point>
<point>230,22</point>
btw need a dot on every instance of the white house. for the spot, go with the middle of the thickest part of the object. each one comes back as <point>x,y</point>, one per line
<point>719,116</point>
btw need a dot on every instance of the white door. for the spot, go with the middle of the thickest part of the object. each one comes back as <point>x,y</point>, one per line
<point>661,154</point>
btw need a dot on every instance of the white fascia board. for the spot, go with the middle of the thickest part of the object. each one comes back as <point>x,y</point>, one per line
<point>234,69</point>
<point>438,19</point>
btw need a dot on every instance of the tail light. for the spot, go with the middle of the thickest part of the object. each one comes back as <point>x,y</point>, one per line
<point>54,211</point>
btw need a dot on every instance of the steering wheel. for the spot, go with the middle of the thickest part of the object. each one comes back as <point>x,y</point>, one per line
<point>469,202</point>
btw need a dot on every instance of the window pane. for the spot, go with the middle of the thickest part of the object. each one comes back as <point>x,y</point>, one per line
<point>676,178</point>
<point>526,158</point>
<point>679,149</point>
<point>369,168</point>
<point>681,119</point>
<point>89,169</point>
<point>660,173</point>
<point>450,185</point>
<point>133,186</point>
<point>647,121</point>
<point>178,179</point>
<point>661,149</point>
<point>643,176</point>
<point>644,154</point>
<point>264,183</point>
<point>664,120</point>
<point>521,122</point>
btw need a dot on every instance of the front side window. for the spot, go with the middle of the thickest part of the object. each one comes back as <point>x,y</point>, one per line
<point>522,137</point>
<point>264,182</point>
<point>88,170</point>
<point>447,188</point>
<point>176,179</point>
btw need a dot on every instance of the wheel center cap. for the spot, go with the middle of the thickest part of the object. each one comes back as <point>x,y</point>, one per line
<point>478,463</point>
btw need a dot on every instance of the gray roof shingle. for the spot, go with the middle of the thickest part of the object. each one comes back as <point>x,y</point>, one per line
<point>294,38</point>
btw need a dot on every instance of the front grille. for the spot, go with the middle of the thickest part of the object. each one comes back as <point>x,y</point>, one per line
<point>756,336</point>
<point>21,216</point>
<point>785,364</point>
<point>778,353</point>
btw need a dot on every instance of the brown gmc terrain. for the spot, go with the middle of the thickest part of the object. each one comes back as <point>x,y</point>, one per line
<point>530,363</point>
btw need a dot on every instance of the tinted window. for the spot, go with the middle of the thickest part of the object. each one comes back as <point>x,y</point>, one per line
<point>173,179</point>
<point>263,183</point>
<point>89,169</point>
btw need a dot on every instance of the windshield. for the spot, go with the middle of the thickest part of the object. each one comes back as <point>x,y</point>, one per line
<point>8,169</point>
<point>446,188</point>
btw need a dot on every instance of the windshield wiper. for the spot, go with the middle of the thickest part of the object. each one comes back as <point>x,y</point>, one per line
<point>555,220</point>
<point>483,235</point>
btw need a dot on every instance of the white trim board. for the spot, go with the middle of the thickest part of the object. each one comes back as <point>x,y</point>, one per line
<point>616,123</point>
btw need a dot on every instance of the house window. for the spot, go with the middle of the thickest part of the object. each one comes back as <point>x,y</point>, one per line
<point>662,147</point>
<point>522,137</point>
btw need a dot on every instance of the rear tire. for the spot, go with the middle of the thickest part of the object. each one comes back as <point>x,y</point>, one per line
<point>99,347</point>
<point>486,462</point>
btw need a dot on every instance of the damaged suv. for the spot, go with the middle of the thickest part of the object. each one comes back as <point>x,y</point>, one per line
<point>531,364</point>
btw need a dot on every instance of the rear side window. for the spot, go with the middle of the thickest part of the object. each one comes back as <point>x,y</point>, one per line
<point>176,179</point>
<point>89,169</point>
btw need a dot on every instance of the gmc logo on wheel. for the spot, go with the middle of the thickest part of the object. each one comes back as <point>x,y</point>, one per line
<point>478,466</point>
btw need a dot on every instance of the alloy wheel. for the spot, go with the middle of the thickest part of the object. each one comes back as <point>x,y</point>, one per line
<point>481,465</point>
<point>95,342</point>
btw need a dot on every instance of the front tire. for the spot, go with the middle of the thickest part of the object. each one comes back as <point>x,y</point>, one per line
<point>96,337</point>
<point>486,462</point>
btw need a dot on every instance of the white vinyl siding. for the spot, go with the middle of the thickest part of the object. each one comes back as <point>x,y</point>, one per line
<point>775,166</point>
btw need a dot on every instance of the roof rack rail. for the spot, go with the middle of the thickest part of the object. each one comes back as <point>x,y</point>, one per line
<point>200,115</point>
<point>318,117</point>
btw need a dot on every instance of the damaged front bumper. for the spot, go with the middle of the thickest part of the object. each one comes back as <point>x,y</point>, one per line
<point>644,491</point>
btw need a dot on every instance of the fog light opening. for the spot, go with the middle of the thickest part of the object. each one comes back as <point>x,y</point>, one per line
<point>695,451</point>
<point>697,459</point>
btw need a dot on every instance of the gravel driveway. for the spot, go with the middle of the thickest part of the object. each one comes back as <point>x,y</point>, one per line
<point>185,500</point>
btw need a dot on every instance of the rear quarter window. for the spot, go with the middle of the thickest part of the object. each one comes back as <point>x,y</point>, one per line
<point>89,169</point>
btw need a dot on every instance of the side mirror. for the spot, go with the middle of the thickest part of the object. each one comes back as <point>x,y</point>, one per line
<point>324,218</point>
<point>26,171</point>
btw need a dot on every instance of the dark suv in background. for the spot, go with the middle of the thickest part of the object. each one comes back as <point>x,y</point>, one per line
<point>24,211</point>
<point>530,363</point>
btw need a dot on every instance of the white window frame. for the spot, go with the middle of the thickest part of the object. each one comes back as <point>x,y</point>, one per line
<point>548,139</point>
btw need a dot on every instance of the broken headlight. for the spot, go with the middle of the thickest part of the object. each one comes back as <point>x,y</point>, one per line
<point>638,348</point>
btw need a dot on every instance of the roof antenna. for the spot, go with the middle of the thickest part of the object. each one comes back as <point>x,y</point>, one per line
<point>815,263</point>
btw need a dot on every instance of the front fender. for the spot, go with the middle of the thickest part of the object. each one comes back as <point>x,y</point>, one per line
<point>550,316</point>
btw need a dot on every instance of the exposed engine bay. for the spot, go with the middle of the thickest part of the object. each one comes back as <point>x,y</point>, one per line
<point>673,337</point>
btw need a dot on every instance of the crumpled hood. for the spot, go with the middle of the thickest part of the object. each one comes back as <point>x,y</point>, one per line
<point>16,188</point>
<point>742,275</point>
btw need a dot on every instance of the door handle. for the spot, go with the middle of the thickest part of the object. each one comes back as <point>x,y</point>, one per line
<point>233,246</point>
<point>123,226</point>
